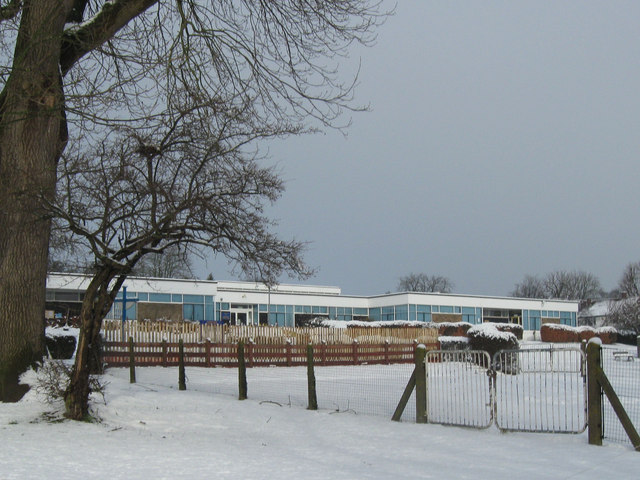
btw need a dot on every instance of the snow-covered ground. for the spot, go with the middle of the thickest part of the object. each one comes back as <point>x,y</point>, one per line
<point>152,430</point>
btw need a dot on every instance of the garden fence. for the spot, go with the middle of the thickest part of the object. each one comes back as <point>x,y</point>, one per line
<point>191,332</point>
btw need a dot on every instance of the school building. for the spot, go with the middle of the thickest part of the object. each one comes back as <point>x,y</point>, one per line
<point>247,303</point>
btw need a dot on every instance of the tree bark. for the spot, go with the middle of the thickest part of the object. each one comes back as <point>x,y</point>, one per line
<point>32,136</point>
<point>97,302</point>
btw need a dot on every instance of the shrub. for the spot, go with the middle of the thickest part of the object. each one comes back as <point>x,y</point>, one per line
<point>608,335</point>
<point>585,333</point>
<point>454,343</point>
<point>628,337</point>
<point>61,347</point>
<point>54,376</point>
<point>451,329</point>
<point>552,332</point>
<point>514,328</point>
<point>488,338</point>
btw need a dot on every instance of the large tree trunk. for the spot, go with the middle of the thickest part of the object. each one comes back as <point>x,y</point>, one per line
<point>32,137</point>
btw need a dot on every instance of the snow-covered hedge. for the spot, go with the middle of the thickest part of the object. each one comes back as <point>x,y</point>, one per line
<point>454,343</point>
<point>324,322</point>
<point>514,328</point>
<point>555,333</point>
<point>451,329</point>
<point>487,337</point>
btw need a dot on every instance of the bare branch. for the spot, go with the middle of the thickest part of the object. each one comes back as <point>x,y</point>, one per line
<point>10,10</point>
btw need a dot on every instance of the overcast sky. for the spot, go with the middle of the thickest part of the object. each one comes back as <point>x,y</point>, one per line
<point>503,140</point>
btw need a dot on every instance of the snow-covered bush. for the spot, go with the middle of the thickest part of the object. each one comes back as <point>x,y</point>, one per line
<point>454,343</point>
<point>451,329</point>
<point>552,332</point>
<point>61,347</point>
<point>585,333</point>
<point>608,335</point>
<point>488,338</point>
<point>514,328</point>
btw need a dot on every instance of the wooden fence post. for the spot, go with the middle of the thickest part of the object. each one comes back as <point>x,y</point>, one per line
<point>594,395</point>
<point>311,380</point>
<point>242,373</point>
<point>132,362</point>
<point>386,352</point>
<point>288,352</point>
<point>421,384</point>
<point>323,351</point>
<point>164,353</point>
<point>207,353</point>
<point>354,353</point>
<point>182,384</point>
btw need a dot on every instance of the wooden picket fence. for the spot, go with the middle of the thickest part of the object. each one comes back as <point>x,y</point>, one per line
<point>190,332</point>
<point>209,354</point>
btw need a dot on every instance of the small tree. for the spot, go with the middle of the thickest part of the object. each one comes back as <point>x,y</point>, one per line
<point>530,287</point>
<point>421,282</point>
<point>188,184</point>
<point>69,68</point>
<point>625,315</point>
<point>629,284</point>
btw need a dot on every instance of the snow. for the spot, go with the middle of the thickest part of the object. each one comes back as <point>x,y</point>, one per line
<point>152,430</point>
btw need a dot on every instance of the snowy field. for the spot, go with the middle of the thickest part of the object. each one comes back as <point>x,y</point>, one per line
<point>152,430</point>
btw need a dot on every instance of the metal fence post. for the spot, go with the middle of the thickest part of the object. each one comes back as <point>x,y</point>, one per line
<point>421,384</point>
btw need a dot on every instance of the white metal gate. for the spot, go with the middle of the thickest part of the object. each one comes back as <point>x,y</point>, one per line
<point>540,390</point>
<point>530,390</point>
<point>459,389</point>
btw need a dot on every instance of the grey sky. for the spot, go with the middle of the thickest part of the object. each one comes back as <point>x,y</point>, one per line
<point>503,141</point>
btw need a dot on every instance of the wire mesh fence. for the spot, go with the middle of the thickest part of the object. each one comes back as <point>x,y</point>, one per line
<point>358,389</point>
<point>622,368</point>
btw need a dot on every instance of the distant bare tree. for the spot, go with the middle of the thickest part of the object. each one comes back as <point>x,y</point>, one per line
<point>629,284</point>
<point>421,282</point>
<point>575,285</point>
<point>625,315</point>
<point>561,284</point>
<point>530,287</point>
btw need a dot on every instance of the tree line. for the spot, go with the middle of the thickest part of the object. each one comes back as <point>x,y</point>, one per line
<point>560,284</point>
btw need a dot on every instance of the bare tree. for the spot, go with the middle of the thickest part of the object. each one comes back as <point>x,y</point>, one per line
<point>530,287</point>
<point>421,282</point>
<point>561,284</point>
<point>576,285</point>
<point>629,284</point>
<point>189,184</point>
<point>625,315</point>
<point>70,68</point>
<point>173,262</point>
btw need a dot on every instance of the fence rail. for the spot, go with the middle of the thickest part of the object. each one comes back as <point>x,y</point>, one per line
<point>190,332</point>
<point>209,354</point>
